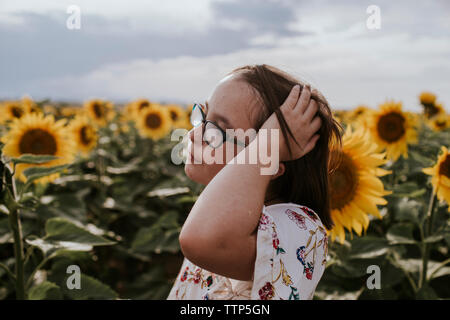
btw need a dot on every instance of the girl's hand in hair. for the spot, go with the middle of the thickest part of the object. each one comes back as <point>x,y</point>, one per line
<point>299,111</point>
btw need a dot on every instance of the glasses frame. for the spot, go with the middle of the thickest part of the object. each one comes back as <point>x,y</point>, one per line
<point>225,136</point>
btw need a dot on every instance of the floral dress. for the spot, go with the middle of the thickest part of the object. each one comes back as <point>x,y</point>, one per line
<point>291,254</point>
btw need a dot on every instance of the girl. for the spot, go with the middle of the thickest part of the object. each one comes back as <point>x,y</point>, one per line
<point>251,235</point>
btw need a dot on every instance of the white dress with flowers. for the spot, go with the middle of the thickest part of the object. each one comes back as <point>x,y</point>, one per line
<point>291,254</point>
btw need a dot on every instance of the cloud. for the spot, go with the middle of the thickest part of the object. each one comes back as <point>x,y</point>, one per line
<point>167,51</point>
<point>377,71</point>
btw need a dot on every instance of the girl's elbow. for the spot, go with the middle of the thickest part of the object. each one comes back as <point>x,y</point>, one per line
<point>198,246</point>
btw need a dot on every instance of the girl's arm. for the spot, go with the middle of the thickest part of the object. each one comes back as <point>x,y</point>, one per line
<point>219,234</point>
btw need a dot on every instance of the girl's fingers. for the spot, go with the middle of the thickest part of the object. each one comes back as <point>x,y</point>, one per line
<point>303,101</point>
<point>311,143</point>
<point>315,124</point>
<point>292,98</point>
<point>311,111</point>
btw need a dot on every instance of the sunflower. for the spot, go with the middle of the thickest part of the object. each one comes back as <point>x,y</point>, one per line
<point>99,111</point>
<point>431,108</point>
<point>337,118</point>
<point>154,122</point>
<point>434,110</point>
<point>29,105</point>
<point>178,115</point>
<point>341,114</point>
<point>49,109</point>
<point>392,129</point>
<point>84,133</point>
<point>359,115</point>
<point>35,134</point>
<point>11,110</point>
<point>439,122</point>
<point>140,104</point>
<point>355,187</point>
<point>441,176</point>
<point>69,111</point>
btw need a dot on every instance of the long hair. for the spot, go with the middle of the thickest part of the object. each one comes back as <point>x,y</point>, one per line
<point>306,180</point>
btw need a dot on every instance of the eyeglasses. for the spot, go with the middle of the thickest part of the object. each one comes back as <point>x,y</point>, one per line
<point>212,133</point>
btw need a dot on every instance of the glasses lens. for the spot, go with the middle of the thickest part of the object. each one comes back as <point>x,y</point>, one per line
<point>196,115</point>
<point>213,136</point>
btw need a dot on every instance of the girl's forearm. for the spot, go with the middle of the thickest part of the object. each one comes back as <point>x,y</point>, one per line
<point>230,206</point>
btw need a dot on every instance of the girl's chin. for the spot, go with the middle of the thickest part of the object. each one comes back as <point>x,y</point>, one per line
<point>193,172</point>
<point>200,173</point>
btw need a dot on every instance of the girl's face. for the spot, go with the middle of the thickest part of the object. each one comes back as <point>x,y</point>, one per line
<point>232,105</point>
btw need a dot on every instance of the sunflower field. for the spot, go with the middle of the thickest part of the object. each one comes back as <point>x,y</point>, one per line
<point>92,188</point>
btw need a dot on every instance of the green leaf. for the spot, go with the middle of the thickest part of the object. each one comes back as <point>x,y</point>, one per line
<point>91,288</point>
<point>166,192</point>
<point>401,233</point>
<point>63,235</point>
<point>4,209</point>
<point>57,247</point>
<point>170,242</point>
<point>34,173</point>
<point>368,247</point>
<point>45,291</point>
<point>410,265</point>
<point>425,161</point>
<point>60,229</point>
<point>408,189</point>
<point>168,220</point>
<point>434,238</point>
<point>426,293</point>
<point>444,271</point>
<point>5,233</point>
<point>147,239</point>
<point>409,210</point>
<point>33,159</point>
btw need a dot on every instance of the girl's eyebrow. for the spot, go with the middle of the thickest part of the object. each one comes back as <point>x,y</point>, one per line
<point>218,116</point>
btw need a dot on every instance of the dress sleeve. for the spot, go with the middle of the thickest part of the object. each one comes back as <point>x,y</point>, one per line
<point>291,254</point>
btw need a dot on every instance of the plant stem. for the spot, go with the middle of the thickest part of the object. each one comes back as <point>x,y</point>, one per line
<point>16,228</point>
<point>408,276</point>
<point>426,246</point>
<point>8,272</point>
<point>39,266</point>
<point>440,266</point>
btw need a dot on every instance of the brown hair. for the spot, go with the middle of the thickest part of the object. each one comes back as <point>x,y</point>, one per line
<point>306,180</point>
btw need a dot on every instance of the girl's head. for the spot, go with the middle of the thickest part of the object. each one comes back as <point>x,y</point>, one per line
<point>244,99</point>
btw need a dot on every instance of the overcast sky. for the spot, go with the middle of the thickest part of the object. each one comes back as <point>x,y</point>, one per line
<point>177,50</point>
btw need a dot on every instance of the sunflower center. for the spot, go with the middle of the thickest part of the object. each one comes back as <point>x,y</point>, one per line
<point>143,105</point>
<point>344,181</point>
<point>444,168</point>
<point>99,110</point>
<point>16,112</point>
<point>86,134</point>
<point>173,115</point>
<point>37,141</point>
<point>153,121</point>
<point>430,110</point>
<point>391,127</point>
<point>440,124</point>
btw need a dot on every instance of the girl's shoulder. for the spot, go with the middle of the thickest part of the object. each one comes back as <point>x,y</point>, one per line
<point>291,213</point>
